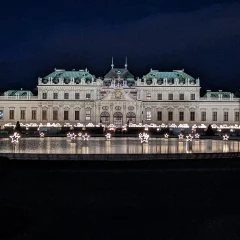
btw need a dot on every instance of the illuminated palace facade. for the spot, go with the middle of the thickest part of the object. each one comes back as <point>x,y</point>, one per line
<point>119,98</point>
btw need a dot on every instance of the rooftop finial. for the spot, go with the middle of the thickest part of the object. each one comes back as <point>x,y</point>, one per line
<point>126,63</point>
<point>112,63</point>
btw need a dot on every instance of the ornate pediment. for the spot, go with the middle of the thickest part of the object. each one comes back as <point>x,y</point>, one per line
<point>118,94</point>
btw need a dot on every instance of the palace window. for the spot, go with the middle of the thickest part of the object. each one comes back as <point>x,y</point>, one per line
<point>55,95</point>
<point>170,116</point>
<point>77,96</point>
<point>34,114</point>
<point>148,96</point>
<point>236,116</point>
<point>11,114</point>
<point>149,115</point>
<point>44,114</point>
<point>225,116</point>
<point>44,95</point>
<point>203,116</point>
<point>181,96</point>
<point>192,96</point>
<point>159,116</point>
<point>88,114</point>
<point>159,96</point>
<point>77,115</point>
<point>170,96</point>
<point>22,115</point>
<point>55,114</point>
<point>181,116</point>
<point>214,116</point>
<point>65,115</point>
<point>88,95</point>
<point>192,116</point>
<point>66,95</point>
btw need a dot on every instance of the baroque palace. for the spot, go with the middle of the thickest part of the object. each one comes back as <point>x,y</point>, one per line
<point>119,98</point>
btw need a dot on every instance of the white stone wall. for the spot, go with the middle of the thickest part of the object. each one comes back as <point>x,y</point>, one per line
<point>139,107</point>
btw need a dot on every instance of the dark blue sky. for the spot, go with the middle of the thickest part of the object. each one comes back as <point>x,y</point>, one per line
<point>200,36</point>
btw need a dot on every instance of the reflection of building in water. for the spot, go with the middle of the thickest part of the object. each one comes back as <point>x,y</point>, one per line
<point>72,147</point>
<point>145,148</point>
<point>208,146</point>
<point>107,146</point>
<point>225,146</point>
<point>181,147</point>
<point>188,147</point>
<point>196,146</point>
<point>119,98</point>
<point>85,150</point>
<point>15,147</point>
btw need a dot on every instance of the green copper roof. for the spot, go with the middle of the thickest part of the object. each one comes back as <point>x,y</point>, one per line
<point>217,94</point>
<point>70,74</point>
<point>18,93</point>
<point>180,74</point>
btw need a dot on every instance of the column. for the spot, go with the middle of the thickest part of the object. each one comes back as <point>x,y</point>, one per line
<point>124,114</point>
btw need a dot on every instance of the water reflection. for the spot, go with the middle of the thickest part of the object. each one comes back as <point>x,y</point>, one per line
<point>115,145</point>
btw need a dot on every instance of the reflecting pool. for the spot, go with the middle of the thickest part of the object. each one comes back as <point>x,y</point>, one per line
<point>99,145</point>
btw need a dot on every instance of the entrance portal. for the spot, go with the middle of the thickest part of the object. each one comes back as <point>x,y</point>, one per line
<point>131,117</point>
<point>118,119</point>
<point>105,118</point>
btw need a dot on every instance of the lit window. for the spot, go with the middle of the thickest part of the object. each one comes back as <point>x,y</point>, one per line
<point>148,96</point>
<point>149,116</point>
<point>88,114</point>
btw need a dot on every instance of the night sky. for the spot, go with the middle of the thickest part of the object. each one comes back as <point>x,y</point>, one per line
<point>201,37</point>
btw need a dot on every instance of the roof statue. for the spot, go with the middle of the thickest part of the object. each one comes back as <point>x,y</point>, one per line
<point>126,63</point>
<point>112,65</point>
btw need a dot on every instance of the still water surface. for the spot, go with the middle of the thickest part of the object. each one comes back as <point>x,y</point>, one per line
<point>100,145</point>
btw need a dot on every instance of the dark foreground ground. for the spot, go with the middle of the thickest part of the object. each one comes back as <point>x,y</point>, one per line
<point>157,200</point>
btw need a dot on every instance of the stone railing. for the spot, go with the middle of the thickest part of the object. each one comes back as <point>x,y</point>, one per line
<point>18,97</point>
<point>219,99</point>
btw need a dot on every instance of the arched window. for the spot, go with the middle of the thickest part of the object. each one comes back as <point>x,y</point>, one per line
<point>105,118</point>
<point>118,119</point>
<point>131,117</point>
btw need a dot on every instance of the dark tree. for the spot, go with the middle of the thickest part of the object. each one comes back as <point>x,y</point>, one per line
<point>18,127</point>
<point>209,131</point>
